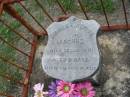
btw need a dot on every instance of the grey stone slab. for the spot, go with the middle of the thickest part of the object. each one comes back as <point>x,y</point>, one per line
<point>72,52</point>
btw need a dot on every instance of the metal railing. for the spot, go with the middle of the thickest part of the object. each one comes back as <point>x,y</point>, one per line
<point>7,6</point>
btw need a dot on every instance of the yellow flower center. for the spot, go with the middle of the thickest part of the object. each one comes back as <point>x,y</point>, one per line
<point>66,88</point>
<point>39,94</point>
<point>84,92</point>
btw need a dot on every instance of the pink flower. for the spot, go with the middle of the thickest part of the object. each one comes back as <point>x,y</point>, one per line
<point>65,89</point>
<point>38,88</point>
<point>84,90</point>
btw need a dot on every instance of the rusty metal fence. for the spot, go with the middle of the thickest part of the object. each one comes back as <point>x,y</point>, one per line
<point>25,50</point>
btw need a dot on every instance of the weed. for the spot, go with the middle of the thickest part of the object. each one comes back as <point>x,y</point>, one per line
<point>9,53</point>
<point>95,5</point>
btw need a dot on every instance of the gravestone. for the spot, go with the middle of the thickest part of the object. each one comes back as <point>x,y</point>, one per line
<point>72,52</point>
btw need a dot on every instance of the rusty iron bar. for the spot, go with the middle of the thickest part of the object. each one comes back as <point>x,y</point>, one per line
<point>10,1</point>
<point>115,27</point>
<point>10,10</point>
<point>13,47</point>
<point>105,14</point>
<point>32,16</point>
<point>28,73</point>
<point>105,28</point>
<point>62,18</point>
<point>13,30</point>
<point>126,20</point>
<point>61,7</point>
<point>7,77</point>
<point>3,2</point>
<point>44,10</point>
<point>82,8</point>
<point>5,94</point>
<point>13,64</point>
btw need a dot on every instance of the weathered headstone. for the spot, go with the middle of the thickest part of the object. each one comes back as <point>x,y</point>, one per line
<point>72,51</point>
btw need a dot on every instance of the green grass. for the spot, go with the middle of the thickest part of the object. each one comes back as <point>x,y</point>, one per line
<point>69,5</point>
<point>8,53</point>
<point>90,5</point>
<point>95,5</point>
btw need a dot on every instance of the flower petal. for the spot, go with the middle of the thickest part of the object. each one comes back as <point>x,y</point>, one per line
<point>37,87</point>
<point>60,93</point>
<point>42,86</point>
<point>45,93</point>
